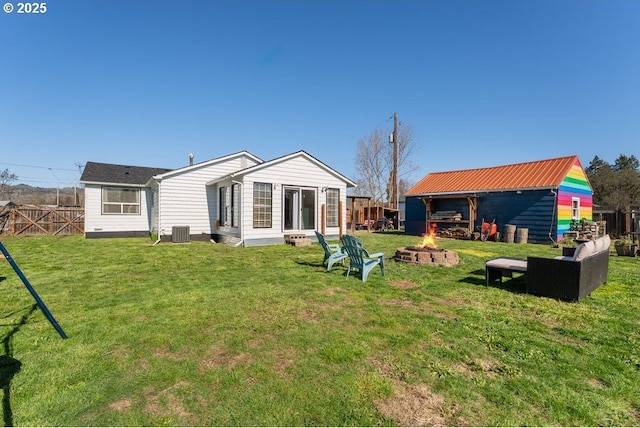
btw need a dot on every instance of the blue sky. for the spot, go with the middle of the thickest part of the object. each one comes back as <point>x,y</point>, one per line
<point>482,83</point>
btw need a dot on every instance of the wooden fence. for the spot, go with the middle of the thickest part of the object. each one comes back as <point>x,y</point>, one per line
<point>31,220</point>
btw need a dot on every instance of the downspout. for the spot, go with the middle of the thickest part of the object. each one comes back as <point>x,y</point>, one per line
<point>159,205</point>
<point>241,210</point>
<point>553,214</point>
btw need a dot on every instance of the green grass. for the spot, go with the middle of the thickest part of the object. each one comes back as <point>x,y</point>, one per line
<point>205,334</point>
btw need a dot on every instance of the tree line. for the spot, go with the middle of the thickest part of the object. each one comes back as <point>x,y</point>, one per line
<point>615,186</point>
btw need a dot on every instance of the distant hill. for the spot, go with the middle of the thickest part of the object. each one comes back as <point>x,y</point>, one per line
<point>23,194</point>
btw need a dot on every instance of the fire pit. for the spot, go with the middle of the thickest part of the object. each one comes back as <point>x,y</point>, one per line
<point>426,255</point>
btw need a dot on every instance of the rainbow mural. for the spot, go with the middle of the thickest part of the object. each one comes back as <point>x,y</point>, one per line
<point>575,185</point>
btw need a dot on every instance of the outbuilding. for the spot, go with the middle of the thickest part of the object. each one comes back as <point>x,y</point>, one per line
<point>542,197</point>
<point>239,199</point>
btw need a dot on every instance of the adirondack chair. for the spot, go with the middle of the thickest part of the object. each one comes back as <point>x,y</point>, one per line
<point>332,252</point>
<point>359,258</point>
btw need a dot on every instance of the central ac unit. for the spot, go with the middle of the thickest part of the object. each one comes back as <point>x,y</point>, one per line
<point>180,234</point>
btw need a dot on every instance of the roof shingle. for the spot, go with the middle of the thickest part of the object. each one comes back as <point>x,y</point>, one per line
<point>95,172</point>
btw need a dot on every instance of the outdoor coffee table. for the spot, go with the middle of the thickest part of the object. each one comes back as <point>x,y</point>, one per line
<point>495,269</point>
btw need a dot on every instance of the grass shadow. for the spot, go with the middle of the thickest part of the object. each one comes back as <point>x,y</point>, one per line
<point>9,366</point>
<point>516,284</point>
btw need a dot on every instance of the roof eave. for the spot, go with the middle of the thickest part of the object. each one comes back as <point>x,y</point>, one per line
<point>475,192</point>
<point>110,183</point>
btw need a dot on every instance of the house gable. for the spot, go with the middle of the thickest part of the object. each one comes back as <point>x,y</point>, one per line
<point>312,161</point>
<point>244,158</point>
<point>574,187</point>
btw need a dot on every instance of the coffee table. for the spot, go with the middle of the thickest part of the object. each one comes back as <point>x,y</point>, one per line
<point>496,268</point>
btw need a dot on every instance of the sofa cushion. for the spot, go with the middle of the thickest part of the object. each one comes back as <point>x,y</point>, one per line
<point>599,245</point>
<point>584,250</point>
<point>607,242</point>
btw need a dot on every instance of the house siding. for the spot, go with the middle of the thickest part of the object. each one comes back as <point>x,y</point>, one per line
<point>187,200</point>
<point>297,172</point>
<point>97,224</point>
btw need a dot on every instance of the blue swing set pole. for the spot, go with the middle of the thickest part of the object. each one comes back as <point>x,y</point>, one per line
<point>33,292</point>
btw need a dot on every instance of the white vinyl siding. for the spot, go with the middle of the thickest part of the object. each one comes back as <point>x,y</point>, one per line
<point>95,221</point>
<point>186,200</point>
<point>297,171</point>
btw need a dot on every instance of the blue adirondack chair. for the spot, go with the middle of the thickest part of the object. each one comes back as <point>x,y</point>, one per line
<point>359,258</point>
<point>332,252</point>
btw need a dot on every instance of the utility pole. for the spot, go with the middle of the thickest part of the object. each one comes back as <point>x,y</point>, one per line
<point>394,173</point>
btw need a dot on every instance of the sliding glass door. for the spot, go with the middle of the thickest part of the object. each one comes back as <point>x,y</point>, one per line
<point>299,208</point>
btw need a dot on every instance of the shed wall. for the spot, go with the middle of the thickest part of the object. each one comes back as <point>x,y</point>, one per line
<point>574,185</point>
<point>534,210</point>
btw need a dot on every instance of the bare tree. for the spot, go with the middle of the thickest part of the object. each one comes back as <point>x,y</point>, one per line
<point>6,178</point>
<point>374,163</point>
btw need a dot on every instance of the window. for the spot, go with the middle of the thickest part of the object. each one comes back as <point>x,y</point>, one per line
<point>222,206</point>
<point>261,205</point>
<point>333,196</point>
<point>235,205</point>
<point>575,208</point>
<point>120,200</point>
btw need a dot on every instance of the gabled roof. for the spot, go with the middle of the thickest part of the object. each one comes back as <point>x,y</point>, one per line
<point>106,173</point>
<point>207,163</point>
<point>275,161</point>
<point>529,175</point>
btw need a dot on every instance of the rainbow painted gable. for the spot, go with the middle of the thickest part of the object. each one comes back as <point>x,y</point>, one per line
<point>574,187</point>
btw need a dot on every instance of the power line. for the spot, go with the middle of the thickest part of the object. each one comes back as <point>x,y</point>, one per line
<point>39,167</point>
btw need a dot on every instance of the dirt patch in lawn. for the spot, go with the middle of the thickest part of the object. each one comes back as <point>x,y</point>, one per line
<point>121,405</point>
<point>166,402</point>
<point>597,383</point>
<point>413,405</point>
<point>223,358</point>
<point>404,284</point>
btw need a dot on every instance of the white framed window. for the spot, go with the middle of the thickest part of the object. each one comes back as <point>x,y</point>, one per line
<point>575,208</point>
<point>235,205</point>
<point>262,205</point>
<point>333,198</point>
<point>222,206</point>
<point>121,201</point>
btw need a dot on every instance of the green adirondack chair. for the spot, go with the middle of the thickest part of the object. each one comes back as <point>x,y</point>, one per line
<point>359,258</point>
<point>332,252</point>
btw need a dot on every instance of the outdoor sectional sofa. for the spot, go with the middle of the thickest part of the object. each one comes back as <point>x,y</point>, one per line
<point>570,277</point>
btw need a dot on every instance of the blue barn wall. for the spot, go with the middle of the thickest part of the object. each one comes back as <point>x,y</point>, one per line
<point>533,209</point>
<point>415,216</point>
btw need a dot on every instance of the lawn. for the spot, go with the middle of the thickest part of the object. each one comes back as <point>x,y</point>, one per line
<point>205,334</point>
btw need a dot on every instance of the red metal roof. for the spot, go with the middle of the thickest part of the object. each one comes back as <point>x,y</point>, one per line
<point>528,175</point>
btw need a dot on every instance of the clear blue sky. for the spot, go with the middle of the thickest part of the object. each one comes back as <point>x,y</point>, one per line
<point>483,83</point>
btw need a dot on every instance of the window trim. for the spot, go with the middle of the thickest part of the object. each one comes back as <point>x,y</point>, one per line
<point>575,208</point>
<point>335,210</point>
<point>267,207</point>
<point>137,204</point>
<point>222,205</point>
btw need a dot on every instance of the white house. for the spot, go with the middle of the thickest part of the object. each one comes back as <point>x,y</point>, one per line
<point>237,198</point>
